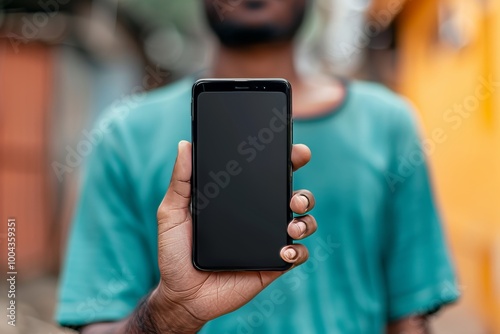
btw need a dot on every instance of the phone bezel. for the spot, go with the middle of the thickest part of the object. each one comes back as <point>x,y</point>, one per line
<point>238,85</point>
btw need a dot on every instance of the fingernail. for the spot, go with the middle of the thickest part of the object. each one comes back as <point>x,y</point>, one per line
<point>290,254</point>
<point>301,227</point>
<point>306,201</point>
<point>181,146</point>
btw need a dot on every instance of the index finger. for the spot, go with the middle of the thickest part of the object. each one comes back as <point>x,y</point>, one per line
<point>301,154</point>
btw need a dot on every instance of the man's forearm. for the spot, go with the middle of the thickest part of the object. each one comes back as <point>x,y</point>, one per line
<point>410,325</point>
<point>152,316</point>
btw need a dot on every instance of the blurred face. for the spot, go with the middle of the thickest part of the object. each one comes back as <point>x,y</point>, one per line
<point>240,23</point>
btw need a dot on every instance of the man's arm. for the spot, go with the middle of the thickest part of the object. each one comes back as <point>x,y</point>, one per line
<point>419,273</point>
<point>410,325</point>
<point>151,316</point>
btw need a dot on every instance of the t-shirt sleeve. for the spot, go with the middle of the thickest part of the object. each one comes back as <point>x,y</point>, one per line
<point>108,266</point>
<point>419,274</point>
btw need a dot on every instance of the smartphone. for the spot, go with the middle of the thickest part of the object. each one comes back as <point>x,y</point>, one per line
<point>242,173</point>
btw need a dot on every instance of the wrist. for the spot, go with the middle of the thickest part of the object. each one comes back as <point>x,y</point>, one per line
<point>169,317</point>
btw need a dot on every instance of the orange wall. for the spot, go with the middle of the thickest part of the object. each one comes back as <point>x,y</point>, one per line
<point>25,95</point>
<point>439,77</point>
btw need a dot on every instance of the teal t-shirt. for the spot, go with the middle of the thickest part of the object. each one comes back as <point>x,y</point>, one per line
<point>378,254</point>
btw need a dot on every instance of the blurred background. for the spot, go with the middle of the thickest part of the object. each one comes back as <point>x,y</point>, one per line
<point>63,61</point>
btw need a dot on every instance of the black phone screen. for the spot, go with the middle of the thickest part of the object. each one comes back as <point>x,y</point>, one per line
<point>241,178</point>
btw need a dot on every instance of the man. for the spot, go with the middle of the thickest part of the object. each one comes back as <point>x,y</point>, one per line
<point>378,262</point>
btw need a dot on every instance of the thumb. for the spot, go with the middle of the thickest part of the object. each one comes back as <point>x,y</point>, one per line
<point>175,204</point>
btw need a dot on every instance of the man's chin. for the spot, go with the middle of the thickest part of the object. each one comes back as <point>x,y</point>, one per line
<point>244,36</point>
<point>239,29</point>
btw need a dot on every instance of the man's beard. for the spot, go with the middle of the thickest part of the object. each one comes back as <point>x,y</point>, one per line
<point>236,35</point>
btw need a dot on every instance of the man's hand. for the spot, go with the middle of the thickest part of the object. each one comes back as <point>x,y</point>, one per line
<point>186,298</point>
<point>193,296</point>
